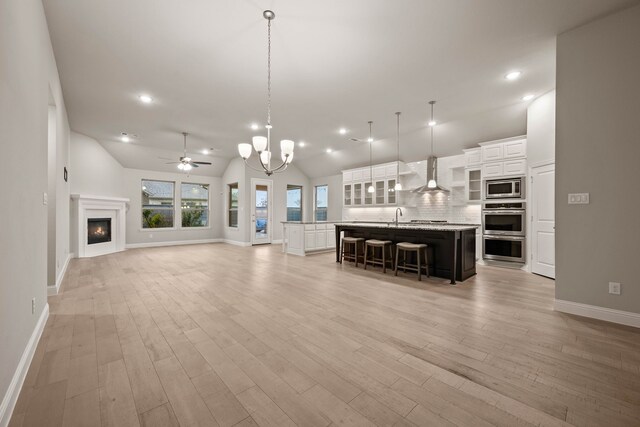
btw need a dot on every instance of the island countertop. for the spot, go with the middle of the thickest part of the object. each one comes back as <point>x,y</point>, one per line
<point>445,226</point>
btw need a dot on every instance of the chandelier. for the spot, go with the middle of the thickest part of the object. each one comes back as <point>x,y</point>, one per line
<point>262,144</point>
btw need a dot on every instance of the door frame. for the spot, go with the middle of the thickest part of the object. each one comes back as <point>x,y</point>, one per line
<point>252,213</point>
<point>532,226</point>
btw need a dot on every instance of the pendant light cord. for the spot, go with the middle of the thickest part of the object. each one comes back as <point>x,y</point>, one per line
<point>370,153</point>
<point>398,143</point>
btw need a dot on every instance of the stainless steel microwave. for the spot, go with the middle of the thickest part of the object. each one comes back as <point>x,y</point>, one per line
<point>511,188</point>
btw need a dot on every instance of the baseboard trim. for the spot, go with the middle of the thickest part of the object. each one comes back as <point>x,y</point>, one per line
<point>11,396</point>
<point>236,243</point>
<point>53,290</point>
<point>276,242</point>
<point>172,243</point>
<point>601,313</point>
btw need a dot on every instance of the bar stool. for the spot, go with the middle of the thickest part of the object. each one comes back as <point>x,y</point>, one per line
<point>419,249</point>
<point>346,243</point>
<point>373,244</point>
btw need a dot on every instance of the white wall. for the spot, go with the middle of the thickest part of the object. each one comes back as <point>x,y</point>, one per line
<point>136,235</point>
<point>235,173</point>
<point>541,129</point>
<point>93,171</point>
<point>28,72</point>
<point>598,152</point>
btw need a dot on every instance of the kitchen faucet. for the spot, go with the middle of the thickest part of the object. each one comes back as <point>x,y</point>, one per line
<point>398,210</point>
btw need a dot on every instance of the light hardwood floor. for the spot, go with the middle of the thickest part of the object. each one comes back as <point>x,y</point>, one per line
<point>222,335</point>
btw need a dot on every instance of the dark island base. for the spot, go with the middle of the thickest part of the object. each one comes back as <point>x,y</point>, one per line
<point>452,254</point>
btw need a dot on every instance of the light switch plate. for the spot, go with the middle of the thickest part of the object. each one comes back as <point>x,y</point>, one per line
<point>578,198</point>
<point>45,199</point>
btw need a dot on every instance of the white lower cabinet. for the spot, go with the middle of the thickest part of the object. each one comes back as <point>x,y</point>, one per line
<point>300,239</point>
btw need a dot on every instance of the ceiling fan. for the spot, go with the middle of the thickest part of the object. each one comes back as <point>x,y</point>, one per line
<point>186,163</point>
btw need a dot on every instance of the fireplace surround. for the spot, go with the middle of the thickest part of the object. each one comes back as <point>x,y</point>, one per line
<point>99,225</point>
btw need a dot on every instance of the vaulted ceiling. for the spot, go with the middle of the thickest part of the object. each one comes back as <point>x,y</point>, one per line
<point>336,64</point>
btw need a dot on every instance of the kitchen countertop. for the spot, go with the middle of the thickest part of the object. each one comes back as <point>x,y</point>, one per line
<point>309,222</point>
<point>412,226</point>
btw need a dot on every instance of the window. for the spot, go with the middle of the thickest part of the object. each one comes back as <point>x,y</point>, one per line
<point>294,203</point>
<point>233,205</point>
<point>195,205</point>
<point>321,202</point>
<point>157,204</point>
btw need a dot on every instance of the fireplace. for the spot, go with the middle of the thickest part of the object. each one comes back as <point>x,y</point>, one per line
<point>98,230</point>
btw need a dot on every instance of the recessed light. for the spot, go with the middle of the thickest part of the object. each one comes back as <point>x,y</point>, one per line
<point>145,99</point>
<point>254,126</point>
<point>329,150</point>
<point>205,151</point>
<point>342,131</point>
<point>301,144</point>
<point>528,97</point>
<point>369,139</point>
<point>125,137</point>
<point>432,123</point>
<point>513,75</point>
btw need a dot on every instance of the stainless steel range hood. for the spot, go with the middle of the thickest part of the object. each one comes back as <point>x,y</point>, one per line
<point>432,175</point>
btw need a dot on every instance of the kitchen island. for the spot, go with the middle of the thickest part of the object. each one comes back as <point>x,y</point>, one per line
<point>307,237</point>
<point>451,247</point>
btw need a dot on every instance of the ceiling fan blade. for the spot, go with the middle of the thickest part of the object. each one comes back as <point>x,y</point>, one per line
<point>201,163</point>
<point>172,163</point>
<point>193,165</point>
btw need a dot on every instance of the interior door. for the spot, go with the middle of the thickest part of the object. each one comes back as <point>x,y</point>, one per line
<point>543,223</point>
<point>261,211</point>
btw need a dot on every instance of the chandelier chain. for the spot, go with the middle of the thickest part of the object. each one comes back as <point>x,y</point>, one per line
<point>269,73</point>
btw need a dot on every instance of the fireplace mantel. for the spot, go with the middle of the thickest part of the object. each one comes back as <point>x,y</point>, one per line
<point>90,206</point>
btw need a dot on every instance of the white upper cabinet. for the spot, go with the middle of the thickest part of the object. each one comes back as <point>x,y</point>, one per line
<point>514,167</point>
<point>503,158</point>
<point>492,170</point>
<point>357,181</point>
<point>514,149</point>
<point>492,153</point>
<point>472,157</point>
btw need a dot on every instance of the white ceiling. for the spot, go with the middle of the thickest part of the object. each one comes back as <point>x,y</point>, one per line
<point>335,63</point>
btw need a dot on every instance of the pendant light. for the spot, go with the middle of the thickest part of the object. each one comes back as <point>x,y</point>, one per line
<point>432,181</point>
<point>370,189</point>
<point>262,144</point>
<point>398,186</point>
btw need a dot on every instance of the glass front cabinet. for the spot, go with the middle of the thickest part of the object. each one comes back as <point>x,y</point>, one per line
<point>356,183</point>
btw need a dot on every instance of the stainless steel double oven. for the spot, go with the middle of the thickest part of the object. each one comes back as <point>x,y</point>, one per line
<point>503,230</point>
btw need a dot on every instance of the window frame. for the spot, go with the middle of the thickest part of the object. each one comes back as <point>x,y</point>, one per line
<point>208,224</point>
<point>301,189</point>
<point>230,187</point>
<point>315,203</point>
<point>173,225</point>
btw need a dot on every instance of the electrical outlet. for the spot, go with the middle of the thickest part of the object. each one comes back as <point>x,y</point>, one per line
<point>45,199</point>
<point>614,288</point>
<point>33,306</point>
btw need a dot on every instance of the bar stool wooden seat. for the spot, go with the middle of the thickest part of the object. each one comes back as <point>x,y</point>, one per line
<point>346,243</point>
<point>419,249</point>
<point>383,260</point>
